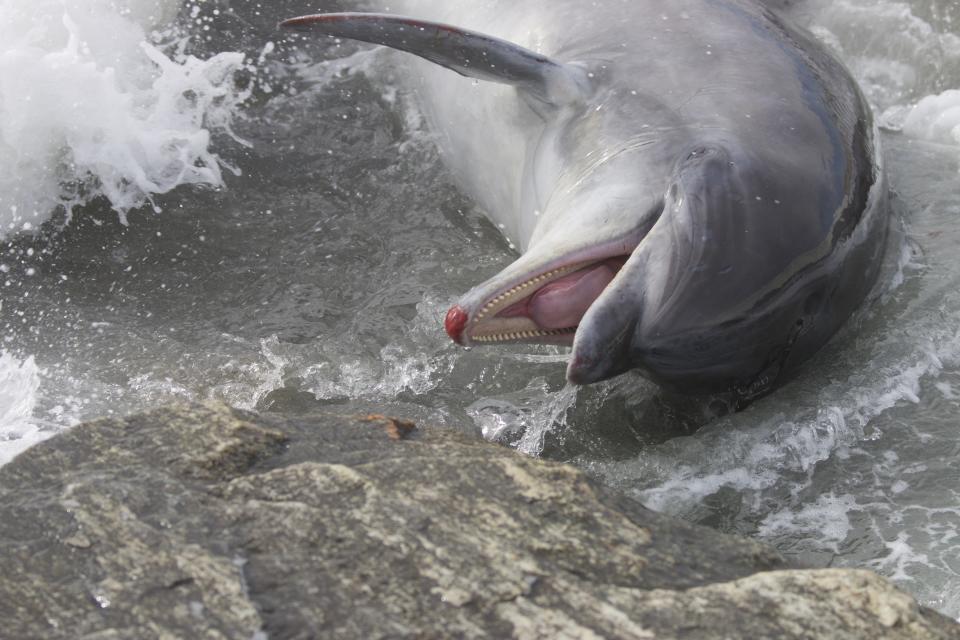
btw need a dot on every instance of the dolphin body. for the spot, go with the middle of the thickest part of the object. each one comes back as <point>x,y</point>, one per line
<point>695,185</point>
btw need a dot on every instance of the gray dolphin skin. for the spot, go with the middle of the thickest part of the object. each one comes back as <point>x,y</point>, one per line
<point>695,185</point>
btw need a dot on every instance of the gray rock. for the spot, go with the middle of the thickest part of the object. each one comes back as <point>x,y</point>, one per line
<point>205,522</point>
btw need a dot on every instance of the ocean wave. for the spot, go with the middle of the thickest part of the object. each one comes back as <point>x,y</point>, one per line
<point>92,106</point>
<point>19,388</point>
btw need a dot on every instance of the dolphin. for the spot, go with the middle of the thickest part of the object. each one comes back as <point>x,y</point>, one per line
<point>696,185</point>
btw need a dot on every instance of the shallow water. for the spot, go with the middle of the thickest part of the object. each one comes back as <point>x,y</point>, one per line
<point>314,266</point>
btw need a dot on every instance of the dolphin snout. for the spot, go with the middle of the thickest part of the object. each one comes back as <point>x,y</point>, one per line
<point>599,353</point>
<point>581,370</point>
<point>456,322</point>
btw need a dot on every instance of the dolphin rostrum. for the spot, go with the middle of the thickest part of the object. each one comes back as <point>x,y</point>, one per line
<point>696,185</point>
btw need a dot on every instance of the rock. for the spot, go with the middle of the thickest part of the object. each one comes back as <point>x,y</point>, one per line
<point>206,522</point>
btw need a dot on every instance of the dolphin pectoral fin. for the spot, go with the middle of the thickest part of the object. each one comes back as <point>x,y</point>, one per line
<point>469,53</point>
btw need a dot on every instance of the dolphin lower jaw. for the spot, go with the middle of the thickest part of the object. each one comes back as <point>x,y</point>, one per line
<point>600,355</point>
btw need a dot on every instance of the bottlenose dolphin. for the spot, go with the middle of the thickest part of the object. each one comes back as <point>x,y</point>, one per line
<point>695,185</point>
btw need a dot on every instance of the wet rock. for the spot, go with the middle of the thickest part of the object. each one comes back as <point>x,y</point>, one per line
<point>206,522</point>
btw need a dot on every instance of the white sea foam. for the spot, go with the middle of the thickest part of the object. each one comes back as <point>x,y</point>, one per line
<point>89,107</point>
<point>19,388</point>
<point>897,71</point>
<point>756,457</point>
<point>935,118</point>
<point>902,554</point>
<point>826,520</point>
<point>898,67</point>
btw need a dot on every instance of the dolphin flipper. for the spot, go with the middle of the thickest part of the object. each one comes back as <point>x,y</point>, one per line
<point>470,54</point>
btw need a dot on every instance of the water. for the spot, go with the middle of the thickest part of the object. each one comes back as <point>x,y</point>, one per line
<point>269,224</point>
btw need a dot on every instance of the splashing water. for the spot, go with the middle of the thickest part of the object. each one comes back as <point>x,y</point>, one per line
<point>19,383</point>
<point>90,108</point>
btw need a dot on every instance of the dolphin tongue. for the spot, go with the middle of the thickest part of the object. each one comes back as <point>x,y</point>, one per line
<point>562,303</point>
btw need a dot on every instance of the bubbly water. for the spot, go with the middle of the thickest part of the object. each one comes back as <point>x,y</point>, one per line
<point>195,206</point>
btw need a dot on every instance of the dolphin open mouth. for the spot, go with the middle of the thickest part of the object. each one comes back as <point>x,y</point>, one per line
<point>544,307</point>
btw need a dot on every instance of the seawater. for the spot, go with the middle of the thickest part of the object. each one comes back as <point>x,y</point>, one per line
<point>195,206</point>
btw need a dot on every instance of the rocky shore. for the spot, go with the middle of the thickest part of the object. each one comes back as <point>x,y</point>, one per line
<point>200,521</point>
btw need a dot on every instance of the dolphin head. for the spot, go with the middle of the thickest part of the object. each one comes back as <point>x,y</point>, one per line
<point>655,281</point>
<point>581,243</point>
<point>729,278</point>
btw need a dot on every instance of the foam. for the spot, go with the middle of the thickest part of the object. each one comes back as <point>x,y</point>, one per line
<point>19,389</point>
<point>88,108</point>
<point>826,520</point>
<point>752,459</point>
<point>935,118</point>
<point>899,70</point>
<point>900,559</point>
<point>900,67</point>
<point>748,457</point>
